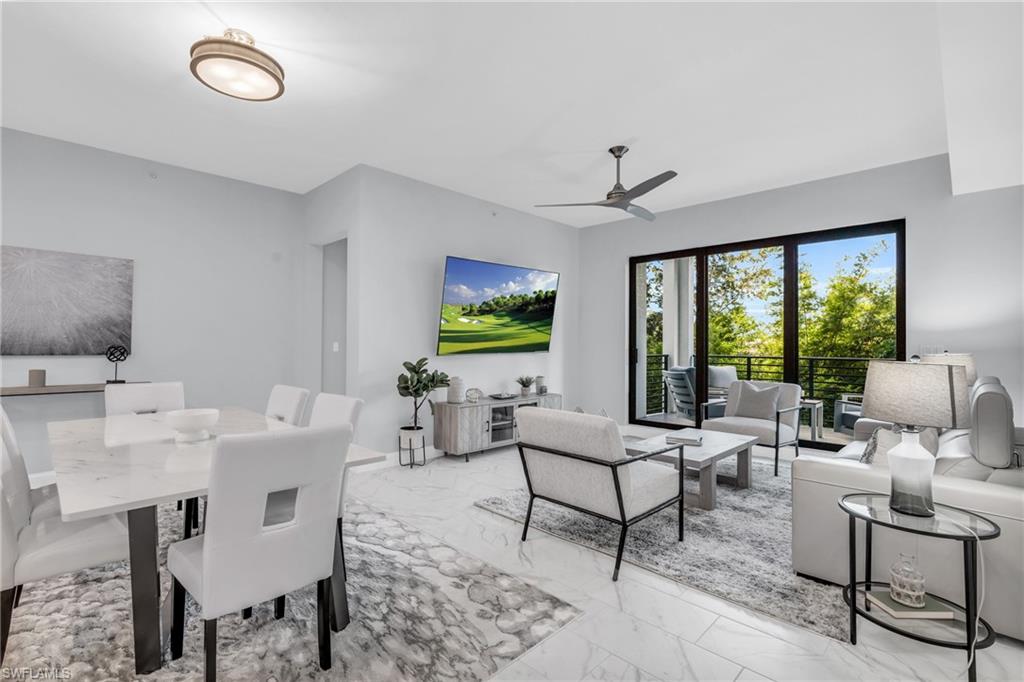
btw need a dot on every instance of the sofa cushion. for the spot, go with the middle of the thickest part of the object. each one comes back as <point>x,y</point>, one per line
<point>756,402</point>
<point>992,430</point>
<point>762,429</point>
<point>1010,477</point>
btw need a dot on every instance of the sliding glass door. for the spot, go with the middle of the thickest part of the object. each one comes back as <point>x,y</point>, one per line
<point>745,310</point>
<point>847,315</point>
<point>665,380</point>
<point>809,308</point>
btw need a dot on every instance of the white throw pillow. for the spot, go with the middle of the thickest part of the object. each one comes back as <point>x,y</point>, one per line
<point>757,403</point>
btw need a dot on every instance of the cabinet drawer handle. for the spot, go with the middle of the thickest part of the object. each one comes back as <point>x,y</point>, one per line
<point>487,426</point>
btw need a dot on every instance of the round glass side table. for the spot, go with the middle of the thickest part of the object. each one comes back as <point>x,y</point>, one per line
<point>965,630</point>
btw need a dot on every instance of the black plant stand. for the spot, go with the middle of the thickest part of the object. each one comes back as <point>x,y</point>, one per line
<point>412,452</point>
<point>965,630</point>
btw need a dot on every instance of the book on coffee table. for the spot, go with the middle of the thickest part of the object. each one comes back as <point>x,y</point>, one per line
<point>685,437</point>
<point>933,609</point>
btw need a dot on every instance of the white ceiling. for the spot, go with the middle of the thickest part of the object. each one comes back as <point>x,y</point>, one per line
<point>510,103</point>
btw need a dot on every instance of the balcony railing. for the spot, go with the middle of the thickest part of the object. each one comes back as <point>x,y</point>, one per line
<point>820,377</point>
<point>657,394</point>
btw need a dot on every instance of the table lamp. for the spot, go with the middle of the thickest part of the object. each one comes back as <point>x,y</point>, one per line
<point>963,388</point>
<point>913,395</point>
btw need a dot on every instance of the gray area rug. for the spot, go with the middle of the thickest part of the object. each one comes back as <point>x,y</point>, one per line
<point>740,551</point>
<point>420,610</point>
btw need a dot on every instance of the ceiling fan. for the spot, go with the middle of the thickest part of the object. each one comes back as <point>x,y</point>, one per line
<point>622,198</point>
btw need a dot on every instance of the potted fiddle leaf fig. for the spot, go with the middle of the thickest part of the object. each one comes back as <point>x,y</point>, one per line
<point>417,383</point>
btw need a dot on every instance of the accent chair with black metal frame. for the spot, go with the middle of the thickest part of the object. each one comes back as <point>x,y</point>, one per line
<point>781,431</point>
<point>579,461</point>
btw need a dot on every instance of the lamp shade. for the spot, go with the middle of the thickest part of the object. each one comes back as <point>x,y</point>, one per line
<point>916,394</point>
<point>965,359</point>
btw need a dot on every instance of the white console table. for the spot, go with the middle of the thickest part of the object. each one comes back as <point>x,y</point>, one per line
<point>463,428</point>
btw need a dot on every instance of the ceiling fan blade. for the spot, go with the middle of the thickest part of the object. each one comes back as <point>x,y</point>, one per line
<point>639,212</point>
<point>647,185</point>
<point>604,202</point>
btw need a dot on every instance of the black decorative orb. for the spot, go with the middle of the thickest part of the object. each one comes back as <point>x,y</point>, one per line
<point>117,353</point>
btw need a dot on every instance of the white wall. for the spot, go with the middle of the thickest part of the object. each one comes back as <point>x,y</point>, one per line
<point>396,255</point>
<point>964,286</point>
<point>216,266</point>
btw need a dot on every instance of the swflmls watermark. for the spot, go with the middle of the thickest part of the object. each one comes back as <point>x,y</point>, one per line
<point>35,674</point>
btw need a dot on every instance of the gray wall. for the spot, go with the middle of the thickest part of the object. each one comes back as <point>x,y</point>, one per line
<point>217,264</point>
<point>399,232</point>
<point>335,304</point>
<point>964,286</point>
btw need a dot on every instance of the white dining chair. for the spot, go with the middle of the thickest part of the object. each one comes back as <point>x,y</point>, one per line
<point>287,403</point>
<point>43,502</point>
<point>241,559</point>
<point>329,409</point>
<point>32,550</point>
<point>144,398</point>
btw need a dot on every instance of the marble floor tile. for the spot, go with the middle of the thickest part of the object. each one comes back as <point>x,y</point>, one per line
<point>672,614</point>
<point>781,660</point>
<point>615,669</point>
<point>651,648</point>
<point>565,656</point>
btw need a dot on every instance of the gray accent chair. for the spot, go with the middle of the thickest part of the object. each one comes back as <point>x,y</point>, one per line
<point>846,411</point>
<point>720,378</point>
<point>579,461</point>
<point>781,432</point>
<point>679,381</point>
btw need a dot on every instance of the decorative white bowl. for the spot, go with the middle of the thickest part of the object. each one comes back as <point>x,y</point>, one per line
<point>192,425</point>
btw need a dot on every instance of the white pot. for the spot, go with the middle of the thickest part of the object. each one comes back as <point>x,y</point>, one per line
<point>410,437</point>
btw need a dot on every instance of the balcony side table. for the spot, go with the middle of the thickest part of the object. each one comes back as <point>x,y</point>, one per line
<point>966,629</point>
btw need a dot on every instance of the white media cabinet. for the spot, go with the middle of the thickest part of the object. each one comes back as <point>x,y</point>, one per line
<point>462,428</point>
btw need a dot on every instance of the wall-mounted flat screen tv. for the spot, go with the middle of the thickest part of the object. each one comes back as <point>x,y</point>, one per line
<point>494,308</point>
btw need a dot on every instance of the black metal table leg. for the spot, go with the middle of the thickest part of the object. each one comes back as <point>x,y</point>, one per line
<point>339,593</point>
<point>142,554</point>
<point>867,565</point>
<point>971,603</point>
<point>853,580</point>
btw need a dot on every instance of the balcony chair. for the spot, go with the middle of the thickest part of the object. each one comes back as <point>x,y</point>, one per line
<point>242,559</point>
<point>846,411</point>
<point>774,418</point>
<point>679,382</point>
<point>578,461</point>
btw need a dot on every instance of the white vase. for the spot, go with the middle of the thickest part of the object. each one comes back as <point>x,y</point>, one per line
<point>910,468</point>
<point>456,390</point>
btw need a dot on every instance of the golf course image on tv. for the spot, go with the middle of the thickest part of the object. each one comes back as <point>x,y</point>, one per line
<point>493,308</point>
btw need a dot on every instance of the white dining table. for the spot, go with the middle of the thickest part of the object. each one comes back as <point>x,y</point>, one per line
<point>130,464</point>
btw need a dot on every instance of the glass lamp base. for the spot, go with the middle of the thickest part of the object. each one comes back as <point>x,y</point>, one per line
<point>910,468</point>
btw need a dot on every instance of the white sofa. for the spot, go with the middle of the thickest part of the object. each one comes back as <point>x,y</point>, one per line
<point>965,476</point>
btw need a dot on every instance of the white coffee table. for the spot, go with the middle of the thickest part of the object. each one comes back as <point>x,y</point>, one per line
<point>704,459</point>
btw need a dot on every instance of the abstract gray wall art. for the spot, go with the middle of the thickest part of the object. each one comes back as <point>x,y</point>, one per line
<point>57,303</point>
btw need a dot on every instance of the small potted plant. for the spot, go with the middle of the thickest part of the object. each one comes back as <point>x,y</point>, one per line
<point>525,383</point>
<point>417,383</point>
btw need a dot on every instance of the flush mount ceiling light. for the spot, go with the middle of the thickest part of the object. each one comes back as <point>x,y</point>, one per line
<point>233,66</point>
